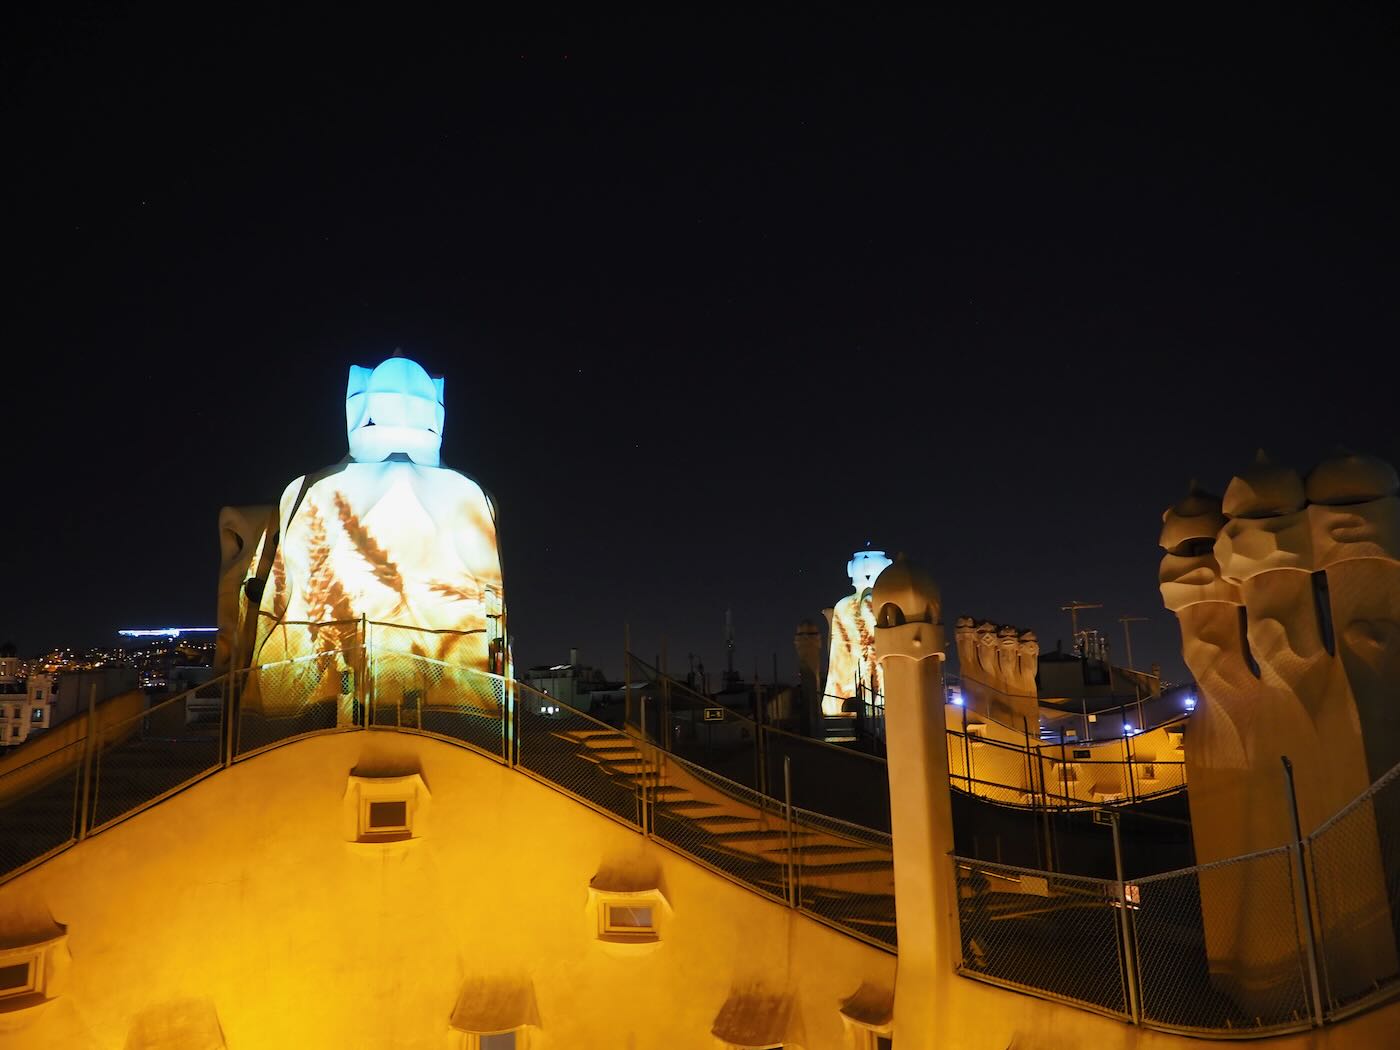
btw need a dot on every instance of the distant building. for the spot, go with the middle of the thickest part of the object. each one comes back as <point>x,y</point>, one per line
<point>572,683</point>
<point>25,707</point>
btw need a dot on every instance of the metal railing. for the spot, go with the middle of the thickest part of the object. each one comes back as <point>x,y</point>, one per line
<point>140,760</point>
<point>843,873</point>
<point>1354,871</point>
<point>840,873</point>
<point>853,785</point>
<point>1052,934</point>
<point>1265,943</point>
<point>581,756</point>
<point>1275,941</point>
<point>40,802</point>
<point>1036,776</point>
<point>826,778</point>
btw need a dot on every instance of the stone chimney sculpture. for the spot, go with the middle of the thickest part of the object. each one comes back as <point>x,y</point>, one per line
<point>852,669</point>
<point>387,542</point>
<point>1288,597</point>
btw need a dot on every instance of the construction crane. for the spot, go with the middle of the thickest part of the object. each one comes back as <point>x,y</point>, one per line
<point>1073,609</point>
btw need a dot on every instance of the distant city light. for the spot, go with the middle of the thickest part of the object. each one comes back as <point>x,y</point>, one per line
<point>165,632</point>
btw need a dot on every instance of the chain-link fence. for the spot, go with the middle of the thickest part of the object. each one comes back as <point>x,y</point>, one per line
<point>1355,867</point>
<point>1214,949</point>
<point>1055,935</point>
<point>844,874</point>
<point>448,700</point>
<point>39,803</point>
<point>589,759</point>
<point>277,702</point>
<point>707,731</point>
<point>1266,943</point>
<point>141,759</point>
<point>848,785</point>
<point>826,778</point>
<point>1219,947</point>
<point>725,825</point>
<point>1056,776</point>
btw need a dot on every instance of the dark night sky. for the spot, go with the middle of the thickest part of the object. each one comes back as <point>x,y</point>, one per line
<point>718,298</point>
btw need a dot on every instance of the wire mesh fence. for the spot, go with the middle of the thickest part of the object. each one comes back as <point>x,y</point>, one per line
<point>834,781</point>
<point>39,801</point>
<point>1219,947</point>
<point>844,873</point>
<point>708,731</point>
<point>587,758</point>
<point>1054,776</point>
<point>417,693</point>
<point>141,759</point>
<point>711,732</point>
<point>1222,948</point>
<point>1057,935</point>
<point>723,824</point>
<point>1355,867</point>
<point>280,701</point>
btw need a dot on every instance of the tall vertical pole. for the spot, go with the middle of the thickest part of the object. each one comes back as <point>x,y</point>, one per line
<point>626,675</point>
<point>642,747</point>
<point>1063,776</point>
<point>1128,637</point>
<point>1128,766</point>
<point>364,685</point>
<point>794,893</point>
<point>90,753</point>
<point>226,730</point>
<point>1045,811</point>
<point>1125,925</point>
<point>967,748</point>
<point>1308,934</point>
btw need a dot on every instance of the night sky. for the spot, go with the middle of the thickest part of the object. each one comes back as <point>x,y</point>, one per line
<point>719,298</point>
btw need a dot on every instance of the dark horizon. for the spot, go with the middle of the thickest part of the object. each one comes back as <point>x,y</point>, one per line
<point>719,299</point>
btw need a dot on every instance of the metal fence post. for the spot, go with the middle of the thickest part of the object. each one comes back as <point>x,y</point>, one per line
<point>226,712</point>
<point>642,747</point>
<point>1128,766</point>
<point>1126,935</point>
<point>760,745</point>
<point>1308,935</point>
<point>794,892</point>
<point>508,722</point>
<point>89,760</point>
<point>967,749</point>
